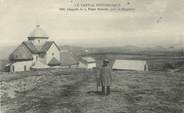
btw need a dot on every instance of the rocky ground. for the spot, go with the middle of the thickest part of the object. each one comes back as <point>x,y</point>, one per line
<point>74,91</point>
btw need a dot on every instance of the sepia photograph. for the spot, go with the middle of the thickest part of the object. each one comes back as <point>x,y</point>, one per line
<point>91,56</point>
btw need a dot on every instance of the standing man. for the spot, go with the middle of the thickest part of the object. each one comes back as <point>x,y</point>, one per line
<point>105,77</point>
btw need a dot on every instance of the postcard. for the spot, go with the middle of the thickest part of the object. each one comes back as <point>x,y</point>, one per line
<point>91,56</point>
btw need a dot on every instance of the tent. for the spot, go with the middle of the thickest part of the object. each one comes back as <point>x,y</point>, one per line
<point>138,65</point>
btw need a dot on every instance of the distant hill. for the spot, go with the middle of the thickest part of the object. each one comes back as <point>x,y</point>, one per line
<point>128,49</point>
<point>6,51</point>
<point>76,50</point>
<point>2,64</point>
<point>116,49</point>
<point>158,50</point>
<point>134,49</point>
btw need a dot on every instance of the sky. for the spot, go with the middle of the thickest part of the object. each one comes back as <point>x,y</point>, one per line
<point>152,23</point>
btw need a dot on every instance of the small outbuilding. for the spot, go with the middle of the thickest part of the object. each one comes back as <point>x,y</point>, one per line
<point>137,65</point>
<point>87,62</point>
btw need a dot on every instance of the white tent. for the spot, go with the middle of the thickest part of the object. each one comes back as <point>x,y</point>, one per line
<point>138,65</point>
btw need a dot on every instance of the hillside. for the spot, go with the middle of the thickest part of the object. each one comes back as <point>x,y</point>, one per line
<point>74,91</point>
<point>128,49</point>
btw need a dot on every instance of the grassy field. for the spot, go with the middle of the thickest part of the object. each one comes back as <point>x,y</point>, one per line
<point>74,91</point>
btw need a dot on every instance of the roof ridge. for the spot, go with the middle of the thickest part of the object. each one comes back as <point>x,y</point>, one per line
<point>26,45</point>
<point>24,42</point>
<point>47,45</point>
<point>21,53</point>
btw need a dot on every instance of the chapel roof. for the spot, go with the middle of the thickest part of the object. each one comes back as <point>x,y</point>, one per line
<point>54,62</point>
<point>38,32</point>
<point>31,47</point>
<point>36,50</point>
<point>21,53</point>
